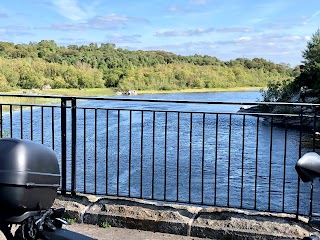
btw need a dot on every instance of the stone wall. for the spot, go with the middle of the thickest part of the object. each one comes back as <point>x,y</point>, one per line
<point>214,223</point>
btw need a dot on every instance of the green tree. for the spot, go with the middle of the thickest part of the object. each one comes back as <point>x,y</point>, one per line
<point>4,86</point>
<point>310,75</point>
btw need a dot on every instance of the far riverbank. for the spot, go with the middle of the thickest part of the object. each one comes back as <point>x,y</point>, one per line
<point>95,92</point>
<point>91,92</point>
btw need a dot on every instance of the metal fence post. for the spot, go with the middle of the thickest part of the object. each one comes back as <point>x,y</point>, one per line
<point>63,145</point>
<point>73,145</point>
<point>1,121</point>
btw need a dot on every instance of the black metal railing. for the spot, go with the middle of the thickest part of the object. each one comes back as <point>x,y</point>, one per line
<point>195,152</point>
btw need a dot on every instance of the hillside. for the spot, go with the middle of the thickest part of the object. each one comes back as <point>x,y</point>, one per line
<point>35,65</point>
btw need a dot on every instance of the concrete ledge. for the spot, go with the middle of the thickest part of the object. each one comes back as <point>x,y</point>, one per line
<point>215,223</point>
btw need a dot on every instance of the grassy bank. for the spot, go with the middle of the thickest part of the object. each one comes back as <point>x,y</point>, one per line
<point>197,90</point>
<point>90,92</point>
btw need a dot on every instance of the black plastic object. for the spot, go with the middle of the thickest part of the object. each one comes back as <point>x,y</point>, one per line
<point>308,166</point>
<point>29,177</point>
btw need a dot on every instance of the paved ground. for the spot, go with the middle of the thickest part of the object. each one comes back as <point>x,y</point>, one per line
<point>113,233</point>
<point>123,233</point>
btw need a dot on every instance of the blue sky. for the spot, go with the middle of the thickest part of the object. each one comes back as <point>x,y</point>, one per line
<point>276,30</point>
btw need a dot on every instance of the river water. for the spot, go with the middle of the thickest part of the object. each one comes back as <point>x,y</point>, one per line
<point>177,156</point>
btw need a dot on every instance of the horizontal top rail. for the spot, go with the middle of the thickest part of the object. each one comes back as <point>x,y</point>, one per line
<point>159,100</point>
<point>261,114</point>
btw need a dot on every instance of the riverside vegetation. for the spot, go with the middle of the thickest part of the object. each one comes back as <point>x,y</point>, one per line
<point>305,86</point>
<point>45,64</point>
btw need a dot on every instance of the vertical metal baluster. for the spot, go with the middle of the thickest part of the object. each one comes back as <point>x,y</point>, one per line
<point>63,146</point>
<point>202,158</point>
<point>165,155</point>
<point>84,150</point>
<point>42,126</point>
<point>284,165</point>
<point>52,125</point>
<point>107,151</point>
<point>1,122</point>
<point>216,162</point>
<point>21,122</point>
<point>73,146</point>
<point>178,153</point>
<point>311,200</point>
<point>242,159</point>
<point>190,155</point>
<point>256,170</point>
<point>141,155</point>
<point>270,164</point>
<point>31,123</point>
<point>300,153</point>
<point>129,150</point>
<point>118,155</point>
<point>153,152</point>
<point>95,151</point>
<point>229,158</point>
<point>10,111</point>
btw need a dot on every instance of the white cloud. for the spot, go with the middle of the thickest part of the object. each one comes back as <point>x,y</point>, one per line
<point>177,33</point>
<point>296,38</point>
<point>242,39</point>
<point>98,22</point>
<point>121,38</point>
<point>308,38</point>
<point>70,9</point>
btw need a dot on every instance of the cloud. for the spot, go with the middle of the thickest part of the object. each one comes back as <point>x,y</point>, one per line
<point>236,29</point>
<point>202,2</point>
<point>264,41</point>
<point>74,41</point>
<point>98,23</point>
<point>15,27</point>
<point>202,31</point>
<point>307,19</point>
<point>184,10</point>
<point>308,38</point>
<point>274,47</point>
<point>3,15</point>
<point>120,38</point>
<point>70,9</point>
<point>14,31</point>
<point>113,20</point>
<point>277,26</point>
<point>178,33</point>
<point>178,9</point>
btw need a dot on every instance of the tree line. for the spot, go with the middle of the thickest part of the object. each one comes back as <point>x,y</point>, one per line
<point>308,76</point>
<point>34,65</point>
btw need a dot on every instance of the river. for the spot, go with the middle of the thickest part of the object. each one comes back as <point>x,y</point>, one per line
<point>177,156</point>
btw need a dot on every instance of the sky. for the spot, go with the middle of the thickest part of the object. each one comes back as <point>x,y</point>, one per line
<point>276,30</point>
